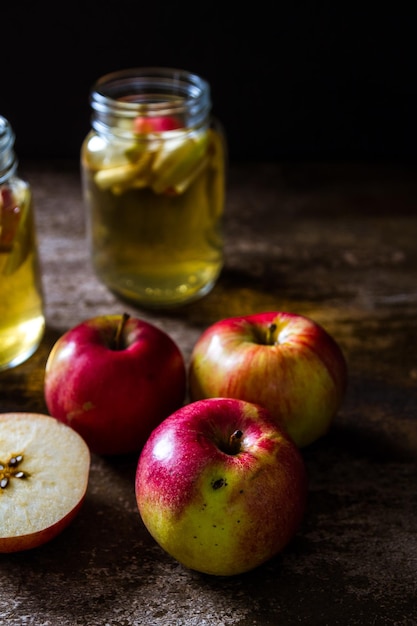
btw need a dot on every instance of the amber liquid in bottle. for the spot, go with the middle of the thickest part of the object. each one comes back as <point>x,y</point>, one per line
<point>22,320</point>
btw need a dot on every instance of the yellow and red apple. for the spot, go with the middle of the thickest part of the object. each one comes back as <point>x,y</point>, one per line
<point>284,361</point>
<point>44,472</point>
<point>113,378</point>
<point>220,486</point>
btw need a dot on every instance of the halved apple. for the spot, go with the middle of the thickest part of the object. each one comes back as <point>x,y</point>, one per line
<point>44,472</point>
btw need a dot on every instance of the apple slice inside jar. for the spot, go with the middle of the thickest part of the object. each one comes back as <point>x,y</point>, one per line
<point>136,173</point>
<point>44,472</point>
<point>122,177</point>
<point>158,124</point>
<point>10,214</point>
<point>176,163</point>
<point>15,233</point>
<point>166,167</point>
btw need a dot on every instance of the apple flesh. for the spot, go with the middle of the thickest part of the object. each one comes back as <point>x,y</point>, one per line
<point>220,487</point>
<point>113,378</point>
<point>44,472</point>
<point>284,361</point>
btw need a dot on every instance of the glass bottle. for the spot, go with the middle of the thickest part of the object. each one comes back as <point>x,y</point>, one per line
<point>22,321</point>
<point>153,175</point>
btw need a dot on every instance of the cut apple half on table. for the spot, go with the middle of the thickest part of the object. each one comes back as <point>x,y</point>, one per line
<point>44,471</point>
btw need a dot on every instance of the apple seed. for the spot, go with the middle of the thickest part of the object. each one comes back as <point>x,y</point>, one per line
<point>9,470</point>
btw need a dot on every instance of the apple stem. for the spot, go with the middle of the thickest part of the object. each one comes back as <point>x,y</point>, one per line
<point>235,441</point>
<point>271,334</point>
<point>117,341</point>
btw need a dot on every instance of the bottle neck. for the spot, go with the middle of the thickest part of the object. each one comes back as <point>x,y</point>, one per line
<point>149,99</point>
<point>8,159</point>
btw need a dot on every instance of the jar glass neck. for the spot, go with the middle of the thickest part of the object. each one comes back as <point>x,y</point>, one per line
<point>119,98</point>
<point>8,159</point>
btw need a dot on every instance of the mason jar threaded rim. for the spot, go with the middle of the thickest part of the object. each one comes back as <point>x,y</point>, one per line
<point>150,92</point>
<point>8,160</point>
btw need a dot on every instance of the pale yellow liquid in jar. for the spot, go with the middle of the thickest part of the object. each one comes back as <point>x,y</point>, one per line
<point>156,219</point>
<point>22,321</point>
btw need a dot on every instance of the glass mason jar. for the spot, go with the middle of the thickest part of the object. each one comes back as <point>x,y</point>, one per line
<point>22,321</point>
<point>153,175</point>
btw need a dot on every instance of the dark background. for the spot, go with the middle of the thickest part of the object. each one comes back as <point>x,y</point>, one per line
<point>295,81</point>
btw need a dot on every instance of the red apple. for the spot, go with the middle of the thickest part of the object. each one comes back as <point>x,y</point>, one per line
<point>113,379</point>
<point>44,471</point>
<point>220,487</point>
<point>283,361</point>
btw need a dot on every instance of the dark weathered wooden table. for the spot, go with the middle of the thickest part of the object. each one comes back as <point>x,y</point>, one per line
<point>337,243</point>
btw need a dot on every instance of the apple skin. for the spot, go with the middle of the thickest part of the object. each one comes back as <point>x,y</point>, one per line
<point>36,539</point>
<point>114,397</point>
<point>215,508</point>
<point>281,360</point>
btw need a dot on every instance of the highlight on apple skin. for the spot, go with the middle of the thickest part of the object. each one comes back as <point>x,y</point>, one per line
<point>284,361</point>
<point>44,473</point>
<point>113,378</point>
<point>221,487</point>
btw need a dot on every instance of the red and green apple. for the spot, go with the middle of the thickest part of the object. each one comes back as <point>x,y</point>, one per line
<point>113,378</point>
<point>284,361</point>
<point>220,486</point>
